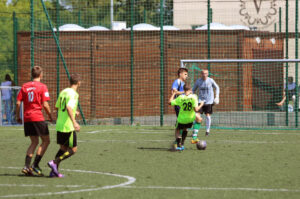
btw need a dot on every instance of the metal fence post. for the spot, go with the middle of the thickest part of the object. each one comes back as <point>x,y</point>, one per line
<point>31,35</point>
<point>57,59</point>
<point>280,19</point>
<point>208,34</point>
<point>286,65</point>
<point>161,62</point>
<point>131,59</point>
<point>15,30</point>
<point>296,67</point>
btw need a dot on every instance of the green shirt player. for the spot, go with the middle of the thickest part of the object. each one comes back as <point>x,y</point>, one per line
<point>66,125</point>
<point>188,104</point>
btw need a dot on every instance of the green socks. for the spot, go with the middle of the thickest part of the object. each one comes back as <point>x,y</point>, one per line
<point>196,128</point>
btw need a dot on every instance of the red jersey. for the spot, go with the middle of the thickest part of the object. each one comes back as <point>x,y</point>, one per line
<point>33,94</point>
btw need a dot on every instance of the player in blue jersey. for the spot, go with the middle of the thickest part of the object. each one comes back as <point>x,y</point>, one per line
<point>177,86</point>
<point>206,86</point>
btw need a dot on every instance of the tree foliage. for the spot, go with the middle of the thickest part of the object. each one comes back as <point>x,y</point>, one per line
<point>96,12</point>
<point>86,13</point>
<point>22,11</point>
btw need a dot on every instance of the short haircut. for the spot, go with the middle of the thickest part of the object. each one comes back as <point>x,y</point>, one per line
<point>36,71</point>
<point>187,87</point>
<point>75,78</point>
<point>7,77</point>
<point>181,70</point>
<point>290,79</point>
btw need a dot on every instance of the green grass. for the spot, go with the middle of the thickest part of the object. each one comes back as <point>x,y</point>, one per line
<point>236,164</point>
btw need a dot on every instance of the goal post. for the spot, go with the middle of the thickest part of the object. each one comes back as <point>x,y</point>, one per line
<point>252,91</point>
<point>183,61</point>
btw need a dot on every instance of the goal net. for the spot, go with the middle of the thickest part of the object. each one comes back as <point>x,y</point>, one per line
<point>8,96</point>
<point>258,93</point>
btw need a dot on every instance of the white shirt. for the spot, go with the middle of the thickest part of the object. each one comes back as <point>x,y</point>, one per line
<point>206,92</point>
<point>6,92</point>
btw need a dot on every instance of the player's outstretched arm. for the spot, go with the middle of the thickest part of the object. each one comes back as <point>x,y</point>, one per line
<point>48,110</point>
<point>172,97</point>
<point>71,115</point>
<point>177,92</point>
<point>199,107</point>
<point>217,98</point>
<point>282,101</point>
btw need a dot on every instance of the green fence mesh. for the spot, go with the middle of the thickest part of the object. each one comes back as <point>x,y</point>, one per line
<point>128,53</point>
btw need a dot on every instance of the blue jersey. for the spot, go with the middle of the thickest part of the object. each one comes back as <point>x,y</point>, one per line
<point>206,90</point>
<point>178,85</point>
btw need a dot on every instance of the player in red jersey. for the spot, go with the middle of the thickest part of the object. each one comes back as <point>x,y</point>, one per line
<point>34,96</point>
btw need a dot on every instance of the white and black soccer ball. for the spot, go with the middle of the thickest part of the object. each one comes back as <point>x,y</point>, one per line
<point>201,145</point>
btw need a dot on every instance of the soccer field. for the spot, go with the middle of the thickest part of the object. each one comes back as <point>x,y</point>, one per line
<point>135,162</point>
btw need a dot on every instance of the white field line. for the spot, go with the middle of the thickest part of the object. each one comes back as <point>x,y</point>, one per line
<point>126,131</point>
<point>119,131</point>
<point>212,141</point>
<point>161,131</point>
<point>215,188</point>
<point>127,141</point>
<point>252,142</point>
<point>170,140</point>
<point>130,180</point>
<point>92,132</point>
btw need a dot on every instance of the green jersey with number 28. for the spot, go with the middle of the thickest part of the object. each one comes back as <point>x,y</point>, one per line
<point>187,104</point>
<point>67,97</point>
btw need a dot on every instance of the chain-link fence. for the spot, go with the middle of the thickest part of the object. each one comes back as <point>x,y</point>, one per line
<point>128,53</point>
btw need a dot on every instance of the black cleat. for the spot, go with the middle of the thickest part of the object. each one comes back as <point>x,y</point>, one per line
<point>37,170</point>
<point>27,171</point>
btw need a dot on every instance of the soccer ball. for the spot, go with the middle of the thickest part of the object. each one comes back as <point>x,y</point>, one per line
<point>201,145</point>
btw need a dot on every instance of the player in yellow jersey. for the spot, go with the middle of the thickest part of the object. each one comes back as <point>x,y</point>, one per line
<point>66,125</point>
<point>188,104</point>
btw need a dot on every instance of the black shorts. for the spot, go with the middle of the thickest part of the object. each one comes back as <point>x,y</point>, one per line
<point>36,128</point>
<point>208,108</point>
<point>184,126</point>
<point>67,139</point>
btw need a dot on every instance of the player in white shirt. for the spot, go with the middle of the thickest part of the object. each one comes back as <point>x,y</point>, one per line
<point>206,86</point>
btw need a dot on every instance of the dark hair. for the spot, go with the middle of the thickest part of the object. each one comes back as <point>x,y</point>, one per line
<point>74,79</point>
<point>290,79</point>
<point>187,87</point>
<point>36,71</point>
<point>181,70</point>
<point>7,77</point>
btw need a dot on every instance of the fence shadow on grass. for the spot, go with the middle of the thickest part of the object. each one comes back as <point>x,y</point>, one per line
<point>156,148</point>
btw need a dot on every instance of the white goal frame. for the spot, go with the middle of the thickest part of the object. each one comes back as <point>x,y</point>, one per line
<point>182,61</point>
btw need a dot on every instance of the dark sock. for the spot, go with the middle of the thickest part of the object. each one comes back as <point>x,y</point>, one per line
<point>178,140</point>
<point>184,134</point>
<point>27,161</point>
<point>64,156</point>
<point>37,160</point>
<point>59,153</point>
